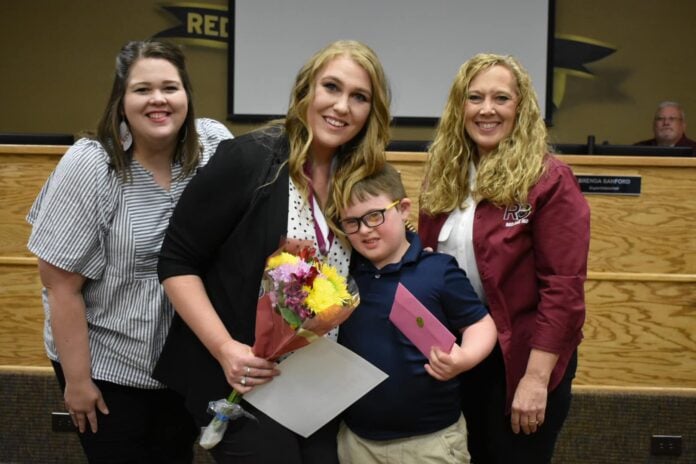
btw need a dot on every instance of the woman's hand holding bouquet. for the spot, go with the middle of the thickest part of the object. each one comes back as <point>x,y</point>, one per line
<point>243,369</point>
<point>302,300</point>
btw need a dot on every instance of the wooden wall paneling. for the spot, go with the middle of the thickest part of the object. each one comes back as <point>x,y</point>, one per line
<point>639,333</point>
<point>21,178</point>
<point>23,170</point>
<point>641,307</point>
<point>21,316</point>
<point>411,166</point>
<point>649,233</point>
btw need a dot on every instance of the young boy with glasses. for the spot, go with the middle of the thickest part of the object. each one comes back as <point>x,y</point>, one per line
<point>415,415</point>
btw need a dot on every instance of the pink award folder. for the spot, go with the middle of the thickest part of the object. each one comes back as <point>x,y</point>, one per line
<point>418,324</point>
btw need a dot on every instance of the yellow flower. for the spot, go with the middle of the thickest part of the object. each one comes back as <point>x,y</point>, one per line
<point>321,295</point>
<point>279,260</point>
<point>324,294</point>
<point>337,280</point>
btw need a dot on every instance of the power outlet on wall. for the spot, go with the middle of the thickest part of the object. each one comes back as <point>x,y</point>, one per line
<point>666,445</point>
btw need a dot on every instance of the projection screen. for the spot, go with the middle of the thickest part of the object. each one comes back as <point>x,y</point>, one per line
<point>420,43</point>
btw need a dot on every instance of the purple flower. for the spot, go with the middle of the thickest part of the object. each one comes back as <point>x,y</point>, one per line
<point>290,272</point>
<point>294,297</point>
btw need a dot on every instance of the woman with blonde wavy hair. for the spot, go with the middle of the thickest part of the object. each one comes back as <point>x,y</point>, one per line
<point>284,180</point>
<point>515,219</point>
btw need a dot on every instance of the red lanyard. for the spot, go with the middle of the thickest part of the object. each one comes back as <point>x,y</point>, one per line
<point>324,243</point>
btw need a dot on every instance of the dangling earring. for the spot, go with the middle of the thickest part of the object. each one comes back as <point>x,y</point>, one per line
<point>125,135</point>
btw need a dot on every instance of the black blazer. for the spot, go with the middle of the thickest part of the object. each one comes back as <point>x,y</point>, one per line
<point>229,219</point>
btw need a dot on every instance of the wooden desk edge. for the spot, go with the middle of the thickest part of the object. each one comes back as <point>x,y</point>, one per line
<point>613,389</point>
<point>577,389</point>
<point>33,149</point>
<point>405,157</point>
<point>575,160</point>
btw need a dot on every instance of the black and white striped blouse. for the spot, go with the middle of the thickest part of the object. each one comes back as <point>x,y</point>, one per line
<point>86,220</point>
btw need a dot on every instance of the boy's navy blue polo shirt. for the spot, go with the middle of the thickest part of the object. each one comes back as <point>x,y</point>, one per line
<point>410,402</point>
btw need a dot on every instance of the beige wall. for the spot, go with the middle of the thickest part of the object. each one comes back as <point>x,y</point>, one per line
<point>58,56</point>
<point>56,65</point>
<point>655,60</point>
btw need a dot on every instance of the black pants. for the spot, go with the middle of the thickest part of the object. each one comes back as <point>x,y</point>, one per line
<point>491,440</point>
<point>143,426</point>
<point>265,441</point>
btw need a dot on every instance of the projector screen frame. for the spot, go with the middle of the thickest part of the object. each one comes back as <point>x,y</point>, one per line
<point>547,110</point>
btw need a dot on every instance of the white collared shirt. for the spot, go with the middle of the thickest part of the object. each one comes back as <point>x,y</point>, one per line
<point>456,238</point>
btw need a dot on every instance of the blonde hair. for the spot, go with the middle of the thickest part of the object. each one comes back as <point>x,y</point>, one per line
<point>386,181</point>
<point>362,156</point>
<point>506,174</point>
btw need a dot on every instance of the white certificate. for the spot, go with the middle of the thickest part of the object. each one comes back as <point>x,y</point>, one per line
<point>316,383</point>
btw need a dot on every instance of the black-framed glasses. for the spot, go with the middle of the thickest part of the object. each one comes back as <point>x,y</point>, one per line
<point>371,219</point>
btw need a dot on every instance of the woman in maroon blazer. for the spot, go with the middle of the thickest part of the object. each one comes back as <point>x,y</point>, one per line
<point>515,219</point>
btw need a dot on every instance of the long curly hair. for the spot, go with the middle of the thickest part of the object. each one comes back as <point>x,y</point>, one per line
<point>506,174</point>
<point>365,153</point>
<point>188,149</point>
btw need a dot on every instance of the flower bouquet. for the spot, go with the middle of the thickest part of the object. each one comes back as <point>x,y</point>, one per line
<point>302,299</point>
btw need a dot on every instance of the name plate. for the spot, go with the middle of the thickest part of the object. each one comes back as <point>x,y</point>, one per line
<point>609,185</point>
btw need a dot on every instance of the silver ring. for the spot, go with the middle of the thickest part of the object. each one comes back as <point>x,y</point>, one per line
<point>248,369</point>
<point>243,381</point>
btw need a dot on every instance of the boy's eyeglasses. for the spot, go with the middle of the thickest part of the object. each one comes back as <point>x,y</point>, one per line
<point>372,219</point>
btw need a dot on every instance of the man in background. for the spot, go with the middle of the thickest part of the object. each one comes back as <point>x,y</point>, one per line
<point>669,126</point>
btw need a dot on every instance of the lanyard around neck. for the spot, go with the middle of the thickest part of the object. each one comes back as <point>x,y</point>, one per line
<point>322,231</point>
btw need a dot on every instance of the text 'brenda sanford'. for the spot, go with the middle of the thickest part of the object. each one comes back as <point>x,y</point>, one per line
<point>609,184</point>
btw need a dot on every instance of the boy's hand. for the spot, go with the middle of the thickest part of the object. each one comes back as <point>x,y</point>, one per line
<point>445,366</point>
<point>478,341</point>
